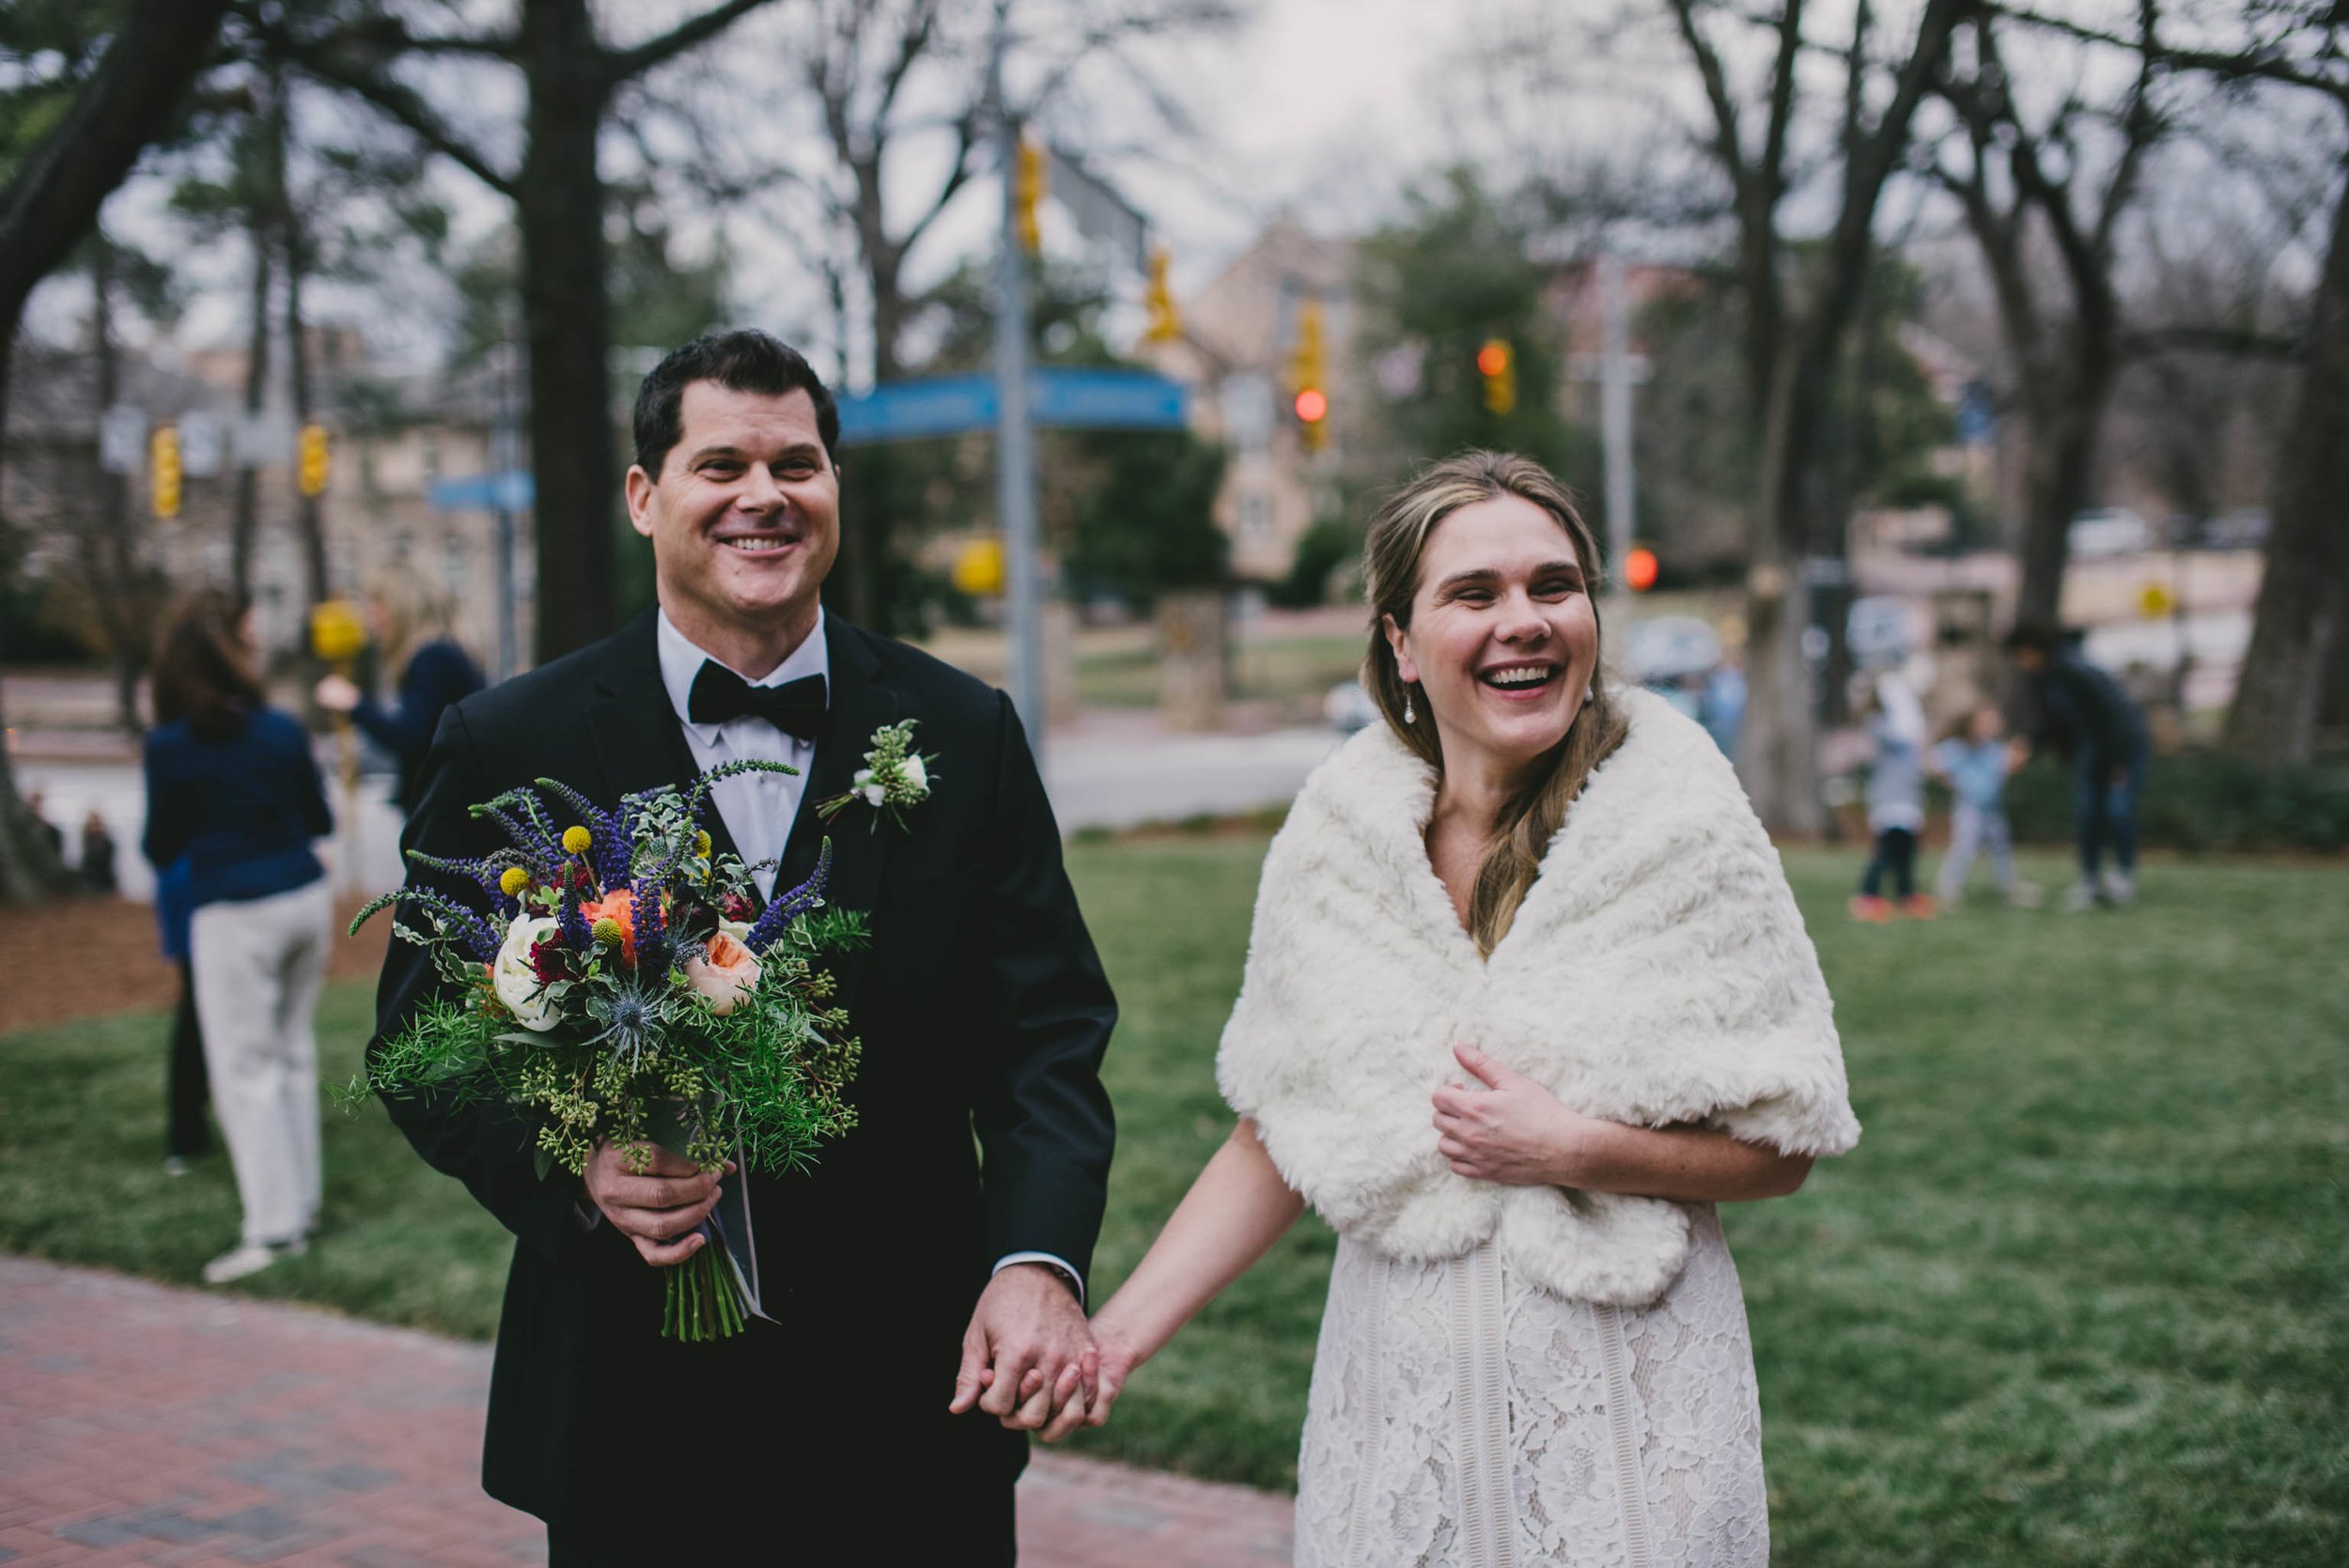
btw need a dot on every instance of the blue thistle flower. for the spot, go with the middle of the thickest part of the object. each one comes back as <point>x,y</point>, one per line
<point>790,906</point>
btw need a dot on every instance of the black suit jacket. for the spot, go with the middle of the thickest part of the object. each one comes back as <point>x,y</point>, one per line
<point>983,1011</point>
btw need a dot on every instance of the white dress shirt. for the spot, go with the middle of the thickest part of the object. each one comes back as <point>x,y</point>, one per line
<point>758,808</point>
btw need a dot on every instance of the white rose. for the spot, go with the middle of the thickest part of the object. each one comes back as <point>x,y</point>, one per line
<point>515,981</point>
<point>917,776</point>
<point>862,777</point>
<point>875,795</point>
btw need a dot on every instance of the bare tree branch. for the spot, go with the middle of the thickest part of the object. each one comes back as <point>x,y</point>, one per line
<point>619,65</point>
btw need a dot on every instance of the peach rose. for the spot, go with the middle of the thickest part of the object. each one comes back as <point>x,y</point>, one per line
<point>619,906</point>
<point>725,977</point>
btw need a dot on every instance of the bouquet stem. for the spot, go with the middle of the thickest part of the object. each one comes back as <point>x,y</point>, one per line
<point>703,1301</point>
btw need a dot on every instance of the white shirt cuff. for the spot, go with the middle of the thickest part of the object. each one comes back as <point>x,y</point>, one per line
<point>1047,1259</point>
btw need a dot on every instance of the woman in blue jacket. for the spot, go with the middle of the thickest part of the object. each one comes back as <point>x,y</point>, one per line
<point>410,623</point>
<point>233,788</point>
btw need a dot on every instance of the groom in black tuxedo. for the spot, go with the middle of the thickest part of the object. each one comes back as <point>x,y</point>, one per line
<point>926,1277</point>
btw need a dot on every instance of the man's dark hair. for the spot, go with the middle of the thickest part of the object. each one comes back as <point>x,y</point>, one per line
<point>745,360</point>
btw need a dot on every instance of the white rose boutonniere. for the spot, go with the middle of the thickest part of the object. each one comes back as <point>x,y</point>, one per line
<point>514,978</point>
<point>893,777</point>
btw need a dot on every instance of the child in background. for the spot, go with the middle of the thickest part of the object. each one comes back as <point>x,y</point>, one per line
<point>1896,797</point>
<point>1977,765</point>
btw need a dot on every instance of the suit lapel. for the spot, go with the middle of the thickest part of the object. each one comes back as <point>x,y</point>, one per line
<point>861,704</point>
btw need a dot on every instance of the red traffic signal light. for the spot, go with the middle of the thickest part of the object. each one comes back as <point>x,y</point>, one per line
<point>1313,405</point>
<point>1493,358</point>
<point>1639,570</point>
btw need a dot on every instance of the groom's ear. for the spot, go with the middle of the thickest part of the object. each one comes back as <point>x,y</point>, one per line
<point>639,486</point>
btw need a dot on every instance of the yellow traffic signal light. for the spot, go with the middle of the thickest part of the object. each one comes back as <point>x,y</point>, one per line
<point>1498,367</point>
<point>1165,324</point>
<point>979,568</point>
<point>162,469</point>
<point>313,459</point>
<point>1309,377</point>
<point>1028,194</point>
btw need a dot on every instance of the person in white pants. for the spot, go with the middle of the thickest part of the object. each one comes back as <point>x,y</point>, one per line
<point>232,785</point>
<point>259,966</point>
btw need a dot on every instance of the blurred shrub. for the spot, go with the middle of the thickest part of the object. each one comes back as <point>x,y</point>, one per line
<point>2200,801</point>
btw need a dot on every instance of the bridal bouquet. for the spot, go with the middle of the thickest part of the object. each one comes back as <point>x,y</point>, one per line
<point>618,989</point>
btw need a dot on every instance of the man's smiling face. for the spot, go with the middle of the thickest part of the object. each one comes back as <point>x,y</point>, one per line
<point>745,515</point>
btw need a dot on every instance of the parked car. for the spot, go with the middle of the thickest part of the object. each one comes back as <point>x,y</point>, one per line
<point>1662,651</point>
<point>2109,531</point>
<point>1348,707</point>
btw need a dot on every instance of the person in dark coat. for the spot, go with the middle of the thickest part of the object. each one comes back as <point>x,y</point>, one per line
<point>410,623</point>
<point>232,787</point>
<point>924,1281</point>
<point>2085,717</point>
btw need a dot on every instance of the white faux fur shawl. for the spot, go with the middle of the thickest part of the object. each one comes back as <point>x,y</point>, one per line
<point>1658,972</point>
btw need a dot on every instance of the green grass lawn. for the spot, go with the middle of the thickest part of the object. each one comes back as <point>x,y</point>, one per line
<point>2080,1296</point>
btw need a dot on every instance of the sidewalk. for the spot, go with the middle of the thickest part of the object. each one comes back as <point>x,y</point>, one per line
<point>143,1424</point>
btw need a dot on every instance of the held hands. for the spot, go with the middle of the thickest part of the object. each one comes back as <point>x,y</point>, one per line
<point>660,1208</point>
<point>1511,1130</point>
<point>1028,1358</point>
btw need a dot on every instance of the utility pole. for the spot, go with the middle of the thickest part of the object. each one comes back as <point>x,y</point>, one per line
<point>1015,450</point>
<point>1614,416</point>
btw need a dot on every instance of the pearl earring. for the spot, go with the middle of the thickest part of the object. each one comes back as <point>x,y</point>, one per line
<point>1410,716</point>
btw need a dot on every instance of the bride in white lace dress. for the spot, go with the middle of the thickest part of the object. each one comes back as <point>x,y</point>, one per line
<point>1525,997</point>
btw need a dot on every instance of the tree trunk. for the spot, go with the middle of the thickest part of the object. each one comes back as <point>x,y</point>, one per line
<point>559,202</point>
<point>245,521</point>
<point>2064,417</point>
<point>308,520</point>
<point>111,560</point>
<point>1778,754</point>
<point>45,209</point>
<point>2298,626</point>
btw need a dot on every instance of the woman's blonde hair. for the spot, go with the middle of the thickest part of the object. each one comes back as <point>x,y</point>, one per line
<point>1390,562</point>
<point>415,613</point>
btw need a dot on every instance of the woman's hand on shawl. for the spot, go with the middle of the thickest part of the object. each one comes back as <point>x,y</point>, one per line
<point>1511,1131</point>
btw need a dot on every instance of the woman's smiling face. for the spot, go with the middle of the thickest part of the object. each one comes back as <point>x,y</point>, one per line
<point>1503,641</point>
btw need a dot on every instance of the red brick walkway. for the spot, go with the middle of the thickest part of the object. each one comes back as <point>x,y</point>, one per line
<point>143,1424</point>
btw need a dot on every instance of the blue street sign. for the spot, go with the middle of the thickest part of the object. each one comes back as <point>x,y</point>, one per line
<point>511,491</point>
<point>957,405</point>
<point>941,406</point>
<point>1107,400</point>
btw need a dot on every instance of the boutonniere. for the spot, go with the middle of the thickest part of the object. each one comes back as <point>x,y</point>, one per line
<point>893,777</point>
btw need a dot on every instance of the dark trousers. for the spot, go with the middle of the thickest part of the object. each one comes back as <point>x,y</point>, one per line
<point>2103,809</point>
<point>1895,852</point>
<point>952,1525</point>
<point>184,1132</point>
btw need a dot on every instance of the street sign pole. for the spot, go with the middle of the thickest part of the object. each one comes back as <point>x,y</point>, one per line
<point>1614,413</point>
<point>1015,454</point>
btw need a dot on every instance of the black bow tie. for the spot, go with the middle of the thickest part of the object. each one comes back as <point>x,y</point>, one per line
<point>796,708</point>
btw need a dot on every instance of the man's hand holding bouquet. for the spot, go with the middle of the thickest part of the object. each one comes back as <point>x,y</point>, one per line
<point>620,993</point>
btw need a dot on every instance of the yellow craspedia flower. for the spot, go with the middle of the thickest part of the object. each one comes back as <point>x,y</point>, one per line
<point>576,840</point>
<point>701,844</point>
<point>608,931</point>
<point>512,883</point>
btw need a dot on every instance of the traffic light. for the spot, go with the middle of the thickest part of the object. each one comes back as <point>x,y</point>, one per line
<point>1028,194</point>
<point>313,459</point>
<point>1308,377</point>
<point>162,469</point>
<point>1498,367</point>
<point>1639,570</point>
<point>1165,324</point>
